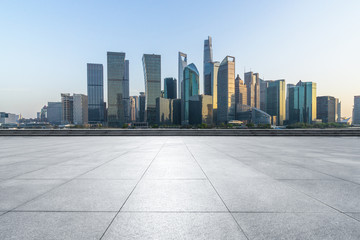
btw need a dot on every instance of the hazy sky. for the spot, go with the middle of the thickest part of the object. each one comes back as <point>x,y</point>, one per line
<point>45,45</point>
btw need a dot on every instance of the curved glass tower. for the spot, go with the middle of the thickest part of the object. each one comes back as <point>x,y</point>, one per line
<point>190,87</point>
<point>182,64</point>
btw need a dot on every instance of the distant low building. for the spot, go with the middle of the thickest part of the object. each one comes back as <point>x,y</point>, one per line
<point>54,113</point>
<point>8,118</point>
<point>248,114</point>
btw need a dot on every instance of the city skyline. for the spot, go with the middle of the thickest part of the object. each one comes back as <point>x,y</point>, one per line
<point>327,57</point>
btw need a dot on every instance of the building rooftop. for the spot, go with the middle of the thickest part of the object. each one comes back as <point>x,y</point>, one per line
<point>179,188</point>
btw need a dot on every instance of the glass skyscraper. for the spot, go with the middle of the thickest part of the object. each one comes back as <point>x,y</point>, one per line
<point>275,100</point>
<point>118,89</point>
<point>152,78</point>
<point>190,87</point>
<point>208,58</point>
<point>226,90</point>
<point>302,102</point>
<point>252,82</point>
<point>170,88</point>
<point>95,91</point>
<point>181,66</point>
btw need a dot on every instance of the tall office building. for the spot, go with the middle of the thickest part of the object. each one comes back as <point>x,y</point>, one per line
<point>252,82</point>
<point>164,111</point>
<point>226,90</point>
<point>356,110</point>
<point>80,109</point>
<point>190,86</point>
<point>182,63</point>
<point>152,77</point>
<point>288,87</point>
<point>118,89</point>
<point>240,91</point>
<point>337,110</point>
<point>67,108</point>
<point>326,109</point>
<point>263,89</point>
<point>201,110</point>
<point>275,100</point>
<point>141,107</point>
<point>95,91</point>
<point>134,108</point>
<point>208,59</point>
<point>302,102</point>
<point>170,88</point>
<point>54,113</point>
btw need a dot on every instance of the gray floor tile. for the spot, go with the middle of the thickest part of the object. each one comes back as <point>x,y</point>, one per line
<point>16,192</point>
<point>341,195</point>
<point>54,225</point>
<point>57,172</point>
<point>84,195</point>
<point>174,170</point>
<point>174,195</point>
<point>118,171</point>
<point>174,226</point>
<point>276,226</point>
<point>259,195</point>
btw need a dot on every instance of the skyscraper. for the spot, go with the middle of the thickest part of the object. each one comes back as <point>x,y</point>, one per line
<point>134,108</point>
<point>275,100</point>
<point>152,77</point>
<point>356,110</point>
<point>326,109</point>
<point>181,66</point>
<point>208,58</point>
<point>80,109</point>
<point>67,108</point>
<point>118,89</point>
<point>226,90</point>
<point>302,102</point>
<point>240,91</point>
<point>142,107</point>
<point>252,82</point>
<point>95,91</point>
<point>214,83</point>
<point>170,88</point>
<point>190,88</point>
<point>337,110</point>
<point>263,89</point>
<point>54,113</point>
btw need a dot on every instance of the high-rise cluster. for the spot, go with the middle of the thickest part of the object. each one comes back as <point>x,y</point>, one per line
<point>226,97</point>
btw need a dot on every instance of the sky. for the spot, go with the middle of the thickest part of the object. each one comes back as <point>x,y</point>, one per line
<point>46,44</point>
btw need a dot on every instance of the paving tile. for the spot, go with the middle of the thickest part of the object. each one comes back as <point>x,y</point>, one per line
<point>174,226</point>
<point>57,172</point>
<point>174,170</point>
<point>132,170</point>
<point>54,225</point>
<point>276,226</point>
<point>355,215</point>
<point>341,195</point>
<point>259,194</point>
<point>16,192</point>
<point>10,171</point>
<point>174,195</point>
<point>84,195</point>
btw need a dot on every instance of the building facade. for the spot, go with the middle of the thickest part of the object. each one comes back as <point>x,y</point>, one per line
<point>326,109</point>
<point>275,100</point>
<point>164,110</point>
<point>240,91</point>
<point>80,108</point>
<point>208,59</point>
<point>200,109</point>
<point>182,63</point>
<point>190,86</point>
<point>252,82</point>
<point>67,114</point>
<point>152,78</point>
<point>95,91</point>
<point>302,102</point>
<point>356,110</point>
<point>118,89</point>
<point>170,88</point>
<point>226,90</point>
<point>141,107</point>
<point>54,113</point>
